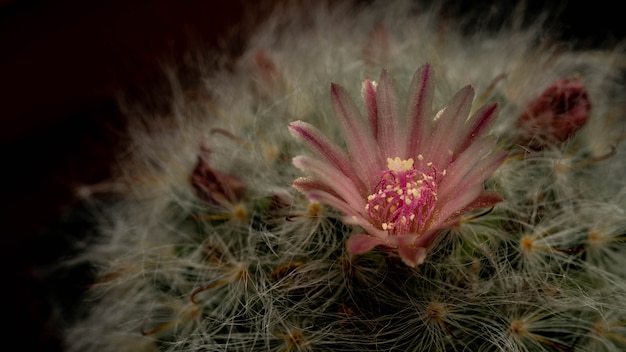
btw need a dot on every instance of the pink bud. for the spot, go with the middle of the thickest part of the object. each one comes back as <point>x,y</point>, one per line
<point>215,187</point>
<point>556,115</point>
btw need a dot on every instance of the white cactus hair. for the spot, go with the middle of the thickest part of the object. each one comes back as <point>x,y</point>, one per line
<point>258,267</point>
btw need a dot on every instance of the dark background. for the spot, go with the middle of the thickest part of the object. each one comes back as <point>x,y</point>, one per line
<point>62,63</point>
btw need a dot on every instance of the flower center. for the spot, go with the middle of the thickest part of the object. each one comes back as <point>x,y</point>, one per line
<point>404,199</point>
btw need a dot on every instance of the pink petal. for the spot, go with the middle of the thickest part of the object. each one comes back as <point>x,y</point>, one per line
<point>362,243</point>
<point>443,138</point>
<point>332,201</point>
<point>419,109</point>
<point>410,240</point>
<point>458,199</point>
<point>485,200</point>
<point>359,139</point>
<point>322,146</point>
<point>426,239</point>
<point>368,93</point>
<point>387,103</point>
<point>362,221</point>
<point>412,256</point>
<point>486,167</point>
<point>452,206</point>
<point>460,196</point>
<point>307,184</point>
<point>477,125</point>
<point>460,171</point>
<point>473,129</point>
<point>333,178</point>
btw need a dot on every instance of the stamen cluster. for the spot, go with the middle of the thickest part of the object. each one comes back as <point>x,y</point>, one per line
<point>404,198</point>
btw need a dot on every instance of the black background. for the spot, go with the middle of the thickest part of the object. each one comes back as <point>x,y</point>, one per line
<point>61,64</point>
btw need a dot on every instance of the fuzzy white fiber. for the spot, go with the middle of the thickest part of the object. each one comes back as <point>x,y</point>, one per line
<point>252,265</point>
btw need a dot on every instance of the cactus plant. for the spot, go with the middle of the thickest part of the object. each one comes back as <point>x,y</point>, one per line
<point>495,234</point>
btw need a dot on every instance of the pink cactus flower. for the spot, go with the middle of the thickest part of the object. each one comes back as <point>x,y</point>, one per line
<point>555,115</point>
<point>405,177</point>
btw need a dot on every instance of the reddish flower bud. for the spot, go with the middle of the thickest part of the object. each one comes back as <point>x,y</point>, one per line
<point>556,115</point>
<point>215,187</point>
